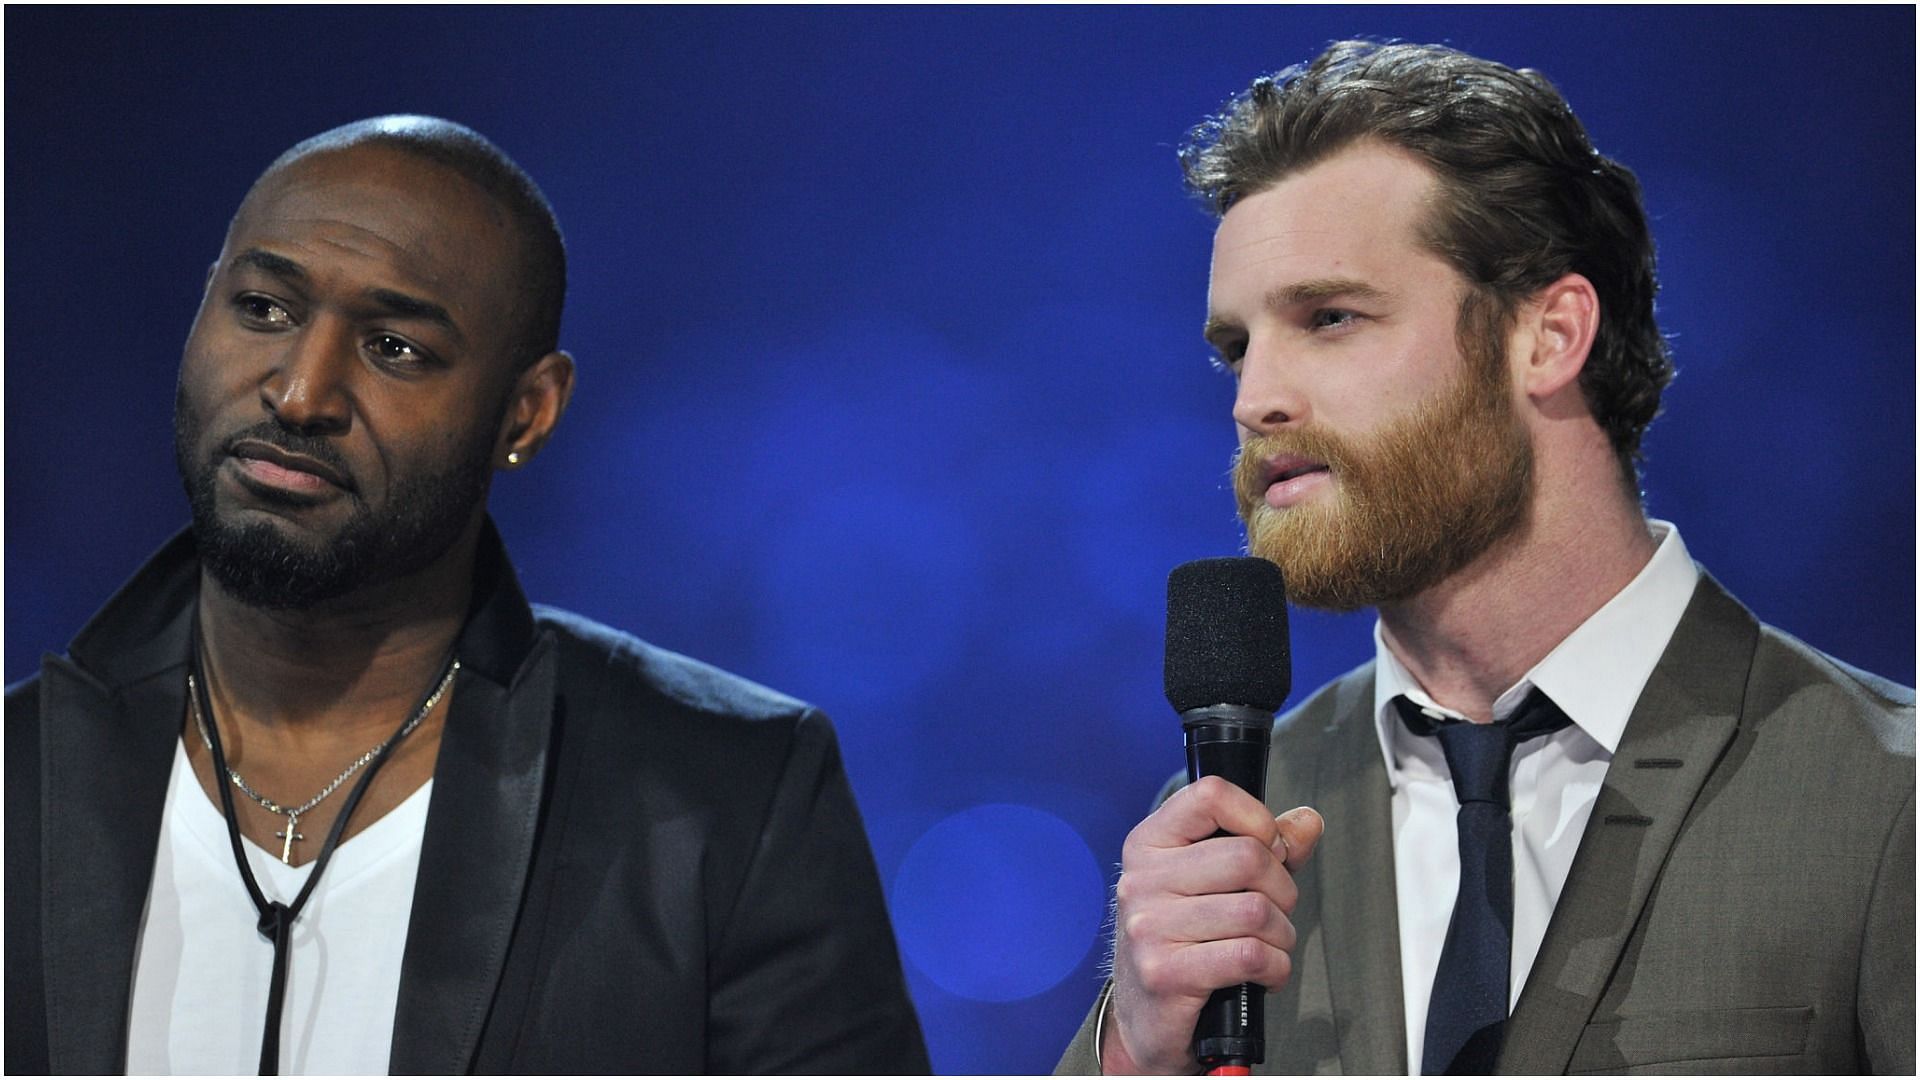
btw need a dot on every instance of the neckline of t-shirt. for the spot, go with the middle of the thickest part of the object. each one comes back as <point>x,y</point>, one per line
<point>396,834</point>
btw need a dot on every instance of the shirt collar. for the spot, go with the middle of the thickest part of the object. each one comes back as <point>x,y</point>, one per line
<point>1595,674</point>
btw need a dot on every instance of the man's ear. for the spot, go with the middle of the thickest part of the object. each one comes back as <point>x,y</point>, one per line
<point>540,395</point>
<point>1564,317</point>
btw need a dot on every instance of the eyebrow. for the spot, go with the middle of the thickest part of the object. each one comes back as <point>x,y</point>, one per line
<point>1217,331</point>
<point>277,265</point>
<point>391,301</point>
<point>1300,292</point>
<point>412,307</point>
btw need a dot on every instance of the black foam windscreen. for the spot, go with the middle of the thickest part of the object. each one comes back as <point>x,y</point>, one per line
<point>1227,635</point>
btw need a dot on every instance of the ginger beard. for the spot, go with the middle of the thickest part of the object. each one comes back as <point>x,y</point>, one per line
<point>1409,505</point>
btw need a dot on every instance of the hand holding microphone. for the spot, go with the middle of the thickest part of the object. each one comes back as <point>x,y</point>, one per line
<point>1206,883</point>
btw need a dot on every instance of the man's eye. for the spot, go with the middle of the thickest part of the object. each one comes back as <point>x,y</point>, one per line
<point>1226,361</point>
<point>398,350</point>
<point>262,311</point>
<point>1227,355</point>
<point>1329,318</point>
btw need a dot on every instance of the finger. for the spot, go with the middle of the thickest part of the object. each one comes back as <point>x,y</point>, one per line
<point>1202,968</point>
<point>1298,832</point>
<point>1201,809</point>
<point>1221,864</point>
<point>1220,917</point>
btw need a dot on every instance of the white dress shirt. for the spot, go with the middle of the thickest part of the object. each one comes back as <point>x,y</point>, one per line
<point>1595,676</point>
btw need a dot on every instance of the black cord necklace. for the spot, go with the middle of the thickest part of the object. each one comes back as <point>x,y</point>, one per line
<point>276,918</point>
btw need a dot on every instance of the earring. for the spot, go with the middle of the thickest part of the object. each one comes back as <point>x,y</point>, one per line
<point>513,457</point>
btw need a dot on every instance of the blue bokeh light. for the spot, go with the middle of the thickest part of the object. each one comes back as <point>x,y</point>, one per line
<point>998,902</point>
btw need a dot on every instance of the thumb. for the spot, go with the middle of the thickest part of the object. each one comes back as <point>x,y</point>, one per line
<point>1299,830</point>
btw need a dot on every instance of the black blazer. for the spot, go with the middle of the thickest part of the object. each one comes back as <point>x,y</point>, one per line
<point>633,862</point>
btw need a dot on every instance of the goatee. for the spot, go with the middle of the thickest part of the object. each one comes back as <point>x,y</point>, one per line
<point>263,566</point>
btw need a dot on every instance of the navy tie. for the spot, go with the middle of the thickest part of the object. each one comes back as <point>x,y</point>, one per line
<point>1467,1015</point>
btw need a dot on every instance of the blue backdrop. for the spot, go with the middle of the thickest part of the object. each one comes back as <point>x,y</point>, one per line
<point>892,393</point>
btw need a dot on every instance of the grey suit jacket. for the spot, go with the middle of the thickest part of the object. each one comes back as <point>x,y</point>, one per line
<point>1742,900</point>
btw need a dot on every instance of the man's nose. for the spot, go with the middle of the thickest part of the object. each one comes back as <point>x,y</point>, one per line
<point>307,389</point>
<point>1268,395</point>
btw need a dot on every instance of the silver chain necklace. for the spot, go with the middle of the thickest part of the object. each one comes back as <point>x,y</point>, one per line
<point>293,814</point>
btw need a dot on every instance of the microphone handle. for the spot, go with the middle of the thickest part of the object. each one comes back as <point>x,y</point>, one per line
<point>1230,741</point>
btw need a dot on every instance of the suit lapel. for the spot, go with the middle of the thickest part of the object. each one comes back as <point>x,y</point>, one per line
<point>105,764</point>
<point>109,721</point>
<point>1680,727</point>
<point>1354,863</point>
<point>474,860</point>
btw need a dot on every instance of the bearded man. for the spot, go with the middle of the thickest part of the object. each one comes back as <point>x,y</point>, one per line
<point>318,791</point>
<point>1582,812</point>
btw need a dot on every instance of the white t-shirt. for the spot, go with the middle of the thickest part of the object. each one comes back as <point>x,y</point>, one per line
<point>201,968</point>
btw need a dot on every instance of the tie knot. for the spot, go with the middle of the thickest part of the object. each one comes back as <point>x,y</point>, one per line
<point>1478,754</point>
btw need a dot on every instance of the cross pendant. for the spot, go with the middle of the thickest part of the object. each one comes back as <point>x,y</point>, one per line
<point>286,849</point>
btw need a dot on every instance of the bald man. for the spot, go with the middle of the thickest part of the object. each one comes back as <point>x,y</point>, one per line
<point>318,791</point>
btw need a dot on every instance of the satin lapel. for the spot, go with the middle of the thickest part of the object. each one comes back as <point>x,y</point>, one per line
<point>105,764</point>
<point>1355,867</point>
<point>1682,724</point>
<point>474,859</point>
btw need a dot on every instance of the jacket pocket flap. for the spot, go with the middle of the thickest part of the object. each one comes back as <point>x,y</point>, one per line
<point>1692,1035</point>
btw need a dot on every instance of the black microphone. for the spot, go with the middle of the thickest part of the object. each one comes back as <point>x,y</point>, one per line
<point>1228,670</point>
